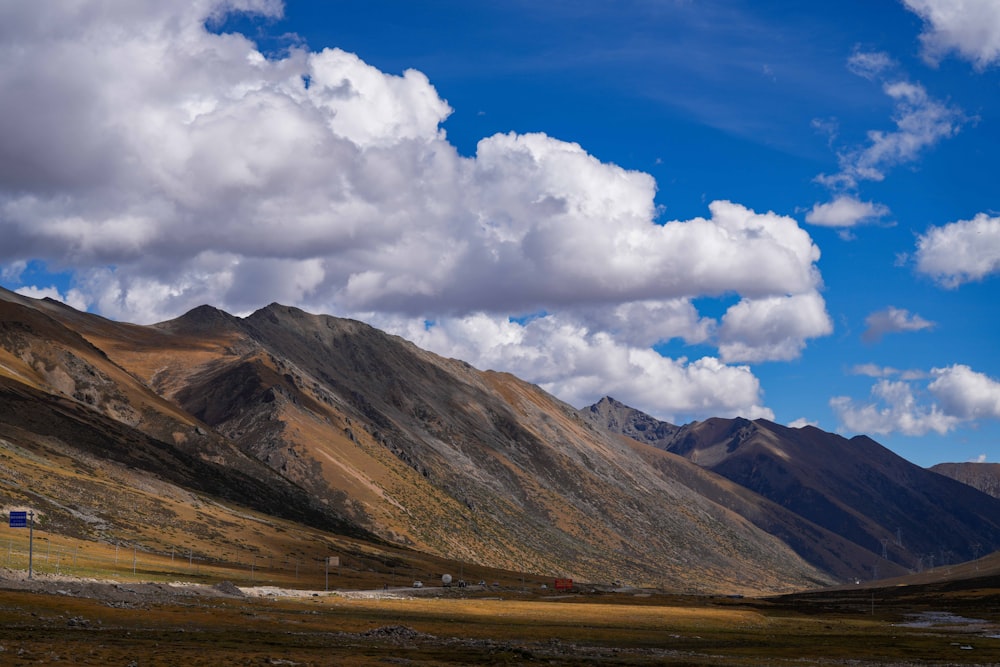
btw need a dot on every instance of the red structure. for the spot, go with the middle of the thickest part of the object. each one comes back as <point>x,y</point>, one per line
<point>564,584</point>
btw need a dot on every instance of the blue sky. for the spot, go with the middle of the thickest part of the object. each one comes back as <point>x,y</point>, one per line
<point>771,209</point>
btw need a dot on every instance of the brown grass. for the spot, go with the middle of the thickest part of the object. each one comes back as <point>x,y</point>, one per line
<point>509,628</point>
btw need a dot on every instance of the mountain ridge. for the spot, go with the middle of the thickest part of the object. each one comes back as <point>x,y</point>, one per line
<point>853,487</point>
<point>367,434</point>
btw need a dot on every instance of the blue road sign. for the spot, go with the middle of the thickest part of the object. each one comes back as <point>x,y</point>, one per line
<point>18,519</point>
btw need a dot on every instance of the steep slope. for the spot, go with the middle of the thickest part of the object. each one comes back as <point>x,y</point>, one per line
<point>461,462</point>
<point>817,544</point>
<point>982,476</point>
<point>55,386</point>
<point>854,488</point>
<point>432,453</point>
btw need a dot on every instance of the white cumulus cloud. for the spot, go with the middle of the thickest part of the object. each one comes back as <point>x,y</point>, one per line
<point>845,211</point>
<point>955,395</point>
<point>965,393</point>
<point>960,252</point>
<point>773,328</point>
<point>165,166</point>
<point>895,409</point>
<point>970,28</point>
<point>580,365</point>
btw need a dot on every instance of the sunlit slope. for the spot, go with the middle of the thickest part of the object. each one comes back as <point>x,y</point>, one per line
<point>342,426</point>
<point>460,462</point>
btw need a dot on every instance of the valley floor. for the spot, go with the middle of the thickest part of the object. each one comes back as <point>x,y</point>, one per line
<point>62,620</point>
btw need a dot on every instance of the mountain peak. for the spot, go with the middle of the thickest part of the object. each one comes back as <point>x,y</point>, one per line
<point>615,416</point>
<point>607,403</point>
<point>199,320</point>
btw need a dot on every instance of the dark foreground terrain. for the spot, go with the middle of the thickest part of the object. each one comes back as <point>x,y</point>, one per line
<point>66,621</point>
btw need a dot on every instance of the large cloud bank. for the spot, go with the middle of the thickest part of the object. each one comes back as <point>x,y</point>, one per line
<point>167,166</point>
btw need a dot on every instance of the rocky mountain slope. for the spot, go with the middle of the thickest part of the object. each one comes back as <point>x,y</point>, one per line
<point>982,476</point>
<point>901,514</point>
<point>344,428</point>
<point>57,388</point>
<point>208,424</point>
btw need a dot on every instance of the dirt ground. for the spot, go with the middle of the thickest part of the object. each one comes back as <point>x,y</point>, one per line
<point>112,592</point>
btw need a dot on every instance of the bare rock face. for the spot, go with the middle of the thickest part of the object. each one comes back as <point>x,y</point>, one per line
<point>620,418</point>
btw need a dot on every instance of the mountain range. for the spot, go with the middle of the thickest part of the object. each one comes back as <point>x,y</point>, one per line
<point>212,429</point>
<point>854,487</point>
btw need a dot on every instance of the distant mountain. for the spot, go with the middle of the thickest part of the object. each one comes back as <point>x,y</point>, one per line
<point>348,429</point>
<point>982,476</point>
<point>854,488</point>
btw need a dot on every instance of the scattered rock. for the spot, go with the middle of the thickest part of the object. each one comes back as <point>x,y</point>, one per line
<point>228,588</point>
<point>395,632</point>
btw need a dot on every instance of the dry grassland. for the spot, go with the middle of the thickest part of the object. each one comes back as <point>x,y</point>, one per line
<point>161,625</point>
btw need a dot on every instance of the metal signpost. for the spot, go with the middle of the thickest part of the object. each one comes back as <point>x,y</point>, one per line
<point>23,519</point>
<point>335,561</point>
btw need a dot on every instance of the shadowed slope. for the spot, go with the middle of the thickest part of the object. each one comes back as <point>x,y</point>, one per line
<point>853,488</point>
